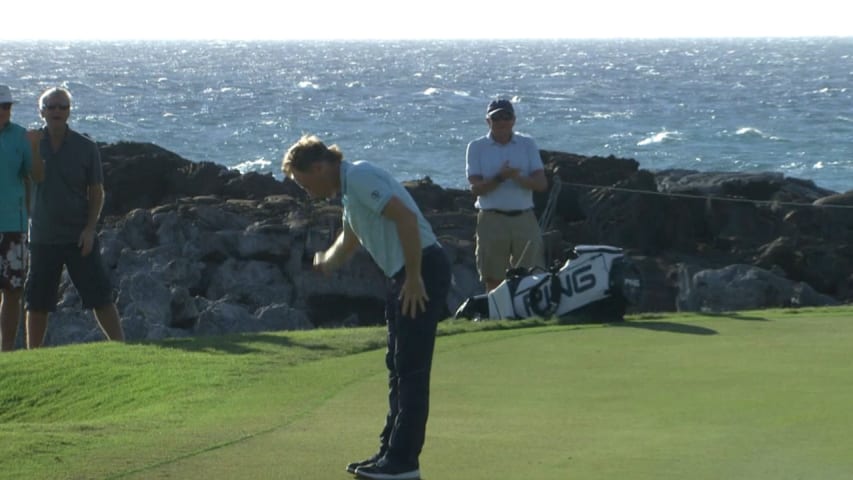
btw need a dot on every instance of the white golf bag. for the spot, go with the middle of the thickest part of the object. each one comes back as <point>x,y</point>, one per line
<point>593,275</point>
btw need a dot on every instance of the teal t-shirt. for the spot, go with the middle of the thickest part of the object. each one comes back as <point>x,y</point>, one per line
<point>16,163</point>
<point>365,190</point>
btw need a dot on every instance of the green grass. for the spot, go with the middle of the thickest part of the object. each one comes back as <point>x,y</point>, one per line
<point>752,395</point>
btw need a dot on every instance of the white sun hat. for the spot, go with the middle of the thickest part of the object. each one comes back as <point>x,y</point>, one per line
<point>6,94</point>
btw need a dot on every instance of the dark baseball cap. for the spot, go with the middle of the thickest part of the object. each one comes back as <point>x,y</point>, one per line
<point>499,106</point>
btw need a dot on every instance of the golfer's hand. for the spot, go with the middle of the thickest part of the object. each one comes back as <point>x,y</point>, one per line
<point>86,241</point>
<point>325,262</point>
<point>319,262</point>
<point>413,296</point>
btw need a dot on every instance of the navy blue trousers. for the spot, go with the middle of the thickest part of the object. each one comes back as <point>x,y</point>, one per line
<point>409,359</point>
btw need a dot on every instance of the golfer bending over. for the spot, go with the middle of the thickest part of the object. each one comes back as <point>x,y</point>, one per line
<point>379,214</point>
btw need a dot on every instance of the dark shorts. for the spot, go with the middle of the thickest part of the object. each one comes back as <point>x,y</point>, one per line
<point>87,274</point>
<point>13,260</point>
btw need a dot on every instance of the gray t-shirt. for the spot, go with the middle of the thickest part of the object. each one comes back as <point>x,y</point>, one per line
<point>61,206</point>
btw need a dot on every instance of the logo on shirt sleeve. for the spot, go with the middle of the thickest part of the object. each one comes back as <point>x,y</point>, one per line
<point>375,195</point>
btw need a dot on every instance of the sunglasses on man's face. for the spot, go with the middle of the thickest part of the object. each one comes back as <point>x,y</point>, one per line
<point>56,107</point>
<point>5,106</point>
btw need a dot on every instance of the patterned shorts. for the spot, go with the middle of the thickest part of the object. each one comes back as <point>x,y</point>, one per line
<point>13,260</point>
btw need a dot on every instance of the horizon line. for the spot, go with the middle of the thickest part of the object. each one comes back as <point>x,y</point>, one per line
<point>434,39</point>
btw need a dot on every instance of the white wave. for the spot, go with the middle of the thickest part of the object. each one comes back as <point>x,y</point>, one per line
<point>251,165</point>
<point>754,132</point>
<point>307,84</point>
<point>599,115</point>
<point>659,137</point>
<point>106,120</point>
<point>596,115</point>
<point>431,91</point>
<point>646,70</point>
<point>749,131</point>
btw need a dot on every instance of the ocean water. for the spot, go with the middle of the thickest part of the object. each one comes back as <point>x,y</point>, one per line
<point>747,105</point>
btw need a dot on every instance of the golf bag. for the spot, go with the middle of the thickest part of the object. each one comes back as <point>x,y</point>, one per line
<point>593,276</point>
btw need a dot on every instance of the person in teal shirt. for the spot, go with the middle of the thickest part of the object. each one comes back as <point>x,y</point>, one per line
<point>16,167</point>
<point>380,215</point>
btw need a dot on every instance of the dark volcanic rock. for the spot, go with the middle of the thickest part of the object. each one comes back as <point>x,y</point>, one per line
<point>142,175</point>
<point>196,248</point>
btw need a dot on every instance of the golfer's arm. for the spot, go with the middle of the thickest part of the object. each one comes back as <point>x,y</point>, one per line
<point>341,250</point>
<point>406,223</point>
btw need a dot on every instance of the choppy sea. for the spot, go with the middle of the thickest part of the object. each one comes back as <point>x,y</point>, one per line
<point>749,105</point>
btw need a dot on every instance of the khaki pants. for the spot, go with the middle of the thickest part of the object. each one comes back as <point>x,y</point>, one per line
<point>504,242</point>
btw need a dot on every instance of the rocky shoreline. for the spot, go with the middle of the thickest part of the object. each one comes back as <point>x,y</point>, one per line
<point>194,248</point>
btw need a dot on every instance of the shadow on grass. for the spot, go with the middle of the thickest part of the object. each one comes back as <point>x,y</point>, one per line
<point>738,316</point>
<point>729,315</point>
<point>646,322</point>
<point>670,327</point>
<point>234,344</point>
<point>652,322</point>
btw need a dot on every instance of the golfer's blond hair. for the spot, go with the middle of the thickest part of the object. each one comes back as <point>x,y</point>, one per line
<point>307,151</point>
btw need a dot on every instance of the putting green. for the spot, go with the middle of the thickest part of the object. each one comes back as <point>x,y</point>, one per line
<point>728,397</point>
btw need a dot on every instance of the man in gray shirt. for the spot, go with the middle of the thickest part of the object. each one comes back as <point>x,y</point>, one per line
<point>504,168</point>
<point>66,209</point>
